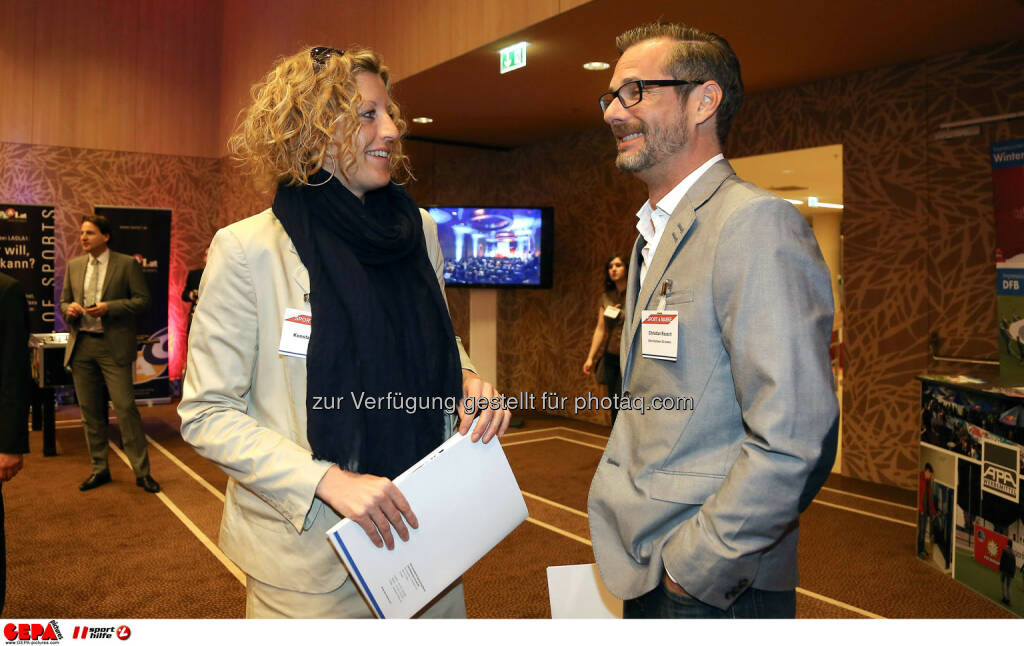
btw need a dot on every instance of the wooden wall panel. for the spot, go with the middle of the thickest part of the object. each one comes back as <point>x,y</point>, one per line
<point>132,75</point>
<point>170,78</point>
<point>17,69</point>
<point>412,35</point>
<point>85,73</point>
<point>566,5</point>
<point>178,77</point>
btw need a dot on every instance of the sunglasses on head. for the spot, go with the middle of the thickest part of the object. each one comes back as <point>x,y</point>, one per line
<point>321,54</point>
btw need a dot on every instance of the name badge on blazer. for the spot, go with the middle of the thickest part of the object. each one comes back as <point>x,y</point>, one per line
<point>295,332</point>
<point>659,334</point>
<point>612,311</point>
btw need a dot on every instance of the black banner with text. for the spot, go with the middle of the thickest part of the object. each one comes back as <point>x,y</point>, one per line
<point>27,254</point>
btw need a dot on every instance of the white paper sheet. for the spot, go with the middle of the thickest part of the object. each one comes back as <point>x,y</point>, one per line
<point>466,500</point>
<point>576,592</point>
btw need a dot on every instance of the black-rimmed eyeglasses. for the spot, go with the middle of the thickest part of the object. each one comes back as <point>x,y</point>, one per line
<point>631,93</point>
<point>321,54</point>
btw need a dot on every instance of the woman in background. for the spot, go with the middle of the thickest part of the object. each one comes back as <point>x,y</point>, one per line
<point>346,258</point>
<point>603,358</point>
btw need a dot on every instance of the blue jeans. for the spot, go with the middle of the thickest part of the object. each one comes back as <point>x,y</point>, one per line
<point>661,603</point>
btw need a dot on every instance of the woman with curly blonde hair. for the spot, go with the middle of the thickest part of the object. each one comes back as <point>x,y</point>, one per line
<point>311,311</point>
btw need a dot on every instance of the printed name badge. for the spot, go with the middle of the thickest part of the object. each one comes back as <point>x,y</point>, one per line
<point>295,332</point>
<point>612,311</point>
<point>659,334</point>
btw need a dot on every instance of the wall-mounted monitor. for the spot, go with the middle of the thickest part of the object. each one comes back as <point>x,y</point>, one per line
<point>501,246</point>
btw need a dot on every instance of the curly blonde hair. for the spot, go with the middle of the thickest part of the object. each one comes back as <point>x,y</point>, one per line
<point>286,132</point>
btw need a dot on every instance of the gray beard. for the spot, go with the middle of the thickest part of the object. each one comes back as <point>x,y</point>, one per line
<point>659,144</point>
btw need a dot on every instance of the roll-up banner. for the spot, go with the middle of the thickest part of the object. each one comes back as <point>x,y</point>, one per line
<point>146,234</point>
<point>1008,204</point>
<point>27,254</point>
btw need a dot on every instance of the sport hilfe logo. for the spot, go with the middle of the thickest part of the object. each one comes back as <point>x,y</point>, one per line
<point>122,632</point>
<point>660,319</point>
<point>305,319</point>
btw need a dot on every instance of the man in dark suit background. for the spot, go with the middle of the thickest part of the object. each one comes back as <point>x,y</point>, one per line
<point>103,293</point>
<point>694,506</point>
<point>14,396</point>
<point>190,294</point>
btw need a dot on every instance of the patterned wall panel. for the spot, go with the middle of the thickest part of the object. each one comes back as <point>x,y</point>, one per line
<point>76,179</point>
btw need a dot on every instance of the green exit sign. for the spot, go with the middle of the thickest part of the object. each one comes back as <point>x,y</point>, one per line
<point>513,57</point>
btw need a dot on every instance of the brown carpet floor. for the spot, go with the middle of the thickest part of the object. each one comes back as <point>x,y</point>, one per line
<point>119,552</point>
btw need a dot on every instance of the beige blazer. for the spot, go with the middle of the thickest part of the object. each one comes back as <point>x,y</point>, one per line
<point>244,406</point>
<point>126,295</point>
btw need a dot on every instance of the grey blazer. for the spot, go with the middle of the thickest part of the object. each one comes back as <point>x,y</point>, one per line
<point>713,494</point>
<point>126,295</point>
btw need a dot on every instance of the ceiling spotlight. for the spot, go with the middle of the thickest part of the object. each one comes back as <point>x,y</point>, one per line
<point>793,201</point>
<point>596,66</point>
<point>422,120</point>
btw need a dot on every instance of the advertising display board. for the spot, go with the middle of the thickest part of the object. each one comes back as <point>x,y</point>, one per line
<point>971,441</point>
<point>27,255</point>
<point>145,234</point>
<point>1008,205</point>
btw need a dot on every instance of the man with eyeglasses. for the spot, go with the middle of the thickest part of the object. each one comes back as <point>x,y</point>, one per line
<point>694,509</point>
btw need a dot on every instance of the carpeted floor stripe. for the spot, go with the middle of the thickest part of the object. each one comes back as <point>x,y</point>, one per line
<point>198,533</point>
<point>555,504</point>
<point>188,470</point>
<point>864,513</point>
<point>878,500</point>
<point>558,530</point>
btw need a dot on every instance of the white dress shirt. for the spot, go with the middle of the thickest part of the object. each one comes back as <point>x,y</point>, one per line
<point>89,323</point>
<point>651,221</point>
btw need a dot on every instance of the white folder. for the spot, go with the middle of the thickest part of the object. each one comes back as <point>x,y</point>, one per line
<point>466,500</point>
<point>577,592</point>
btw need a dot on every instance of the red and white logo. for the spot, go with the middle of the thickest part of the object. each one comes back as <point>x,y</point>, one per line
<point>35,633</point>
<point>660,319</point>
<point>305,319</point>
<point>145,262</point>
<point>101,632</point>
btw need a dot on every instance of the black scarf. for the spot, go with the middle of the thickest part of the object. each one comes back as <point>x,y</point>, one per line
<point>380,326</point>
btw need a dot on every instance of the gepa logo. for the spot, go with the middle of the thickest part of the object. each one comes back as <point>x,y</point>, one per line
<point>32,633</point>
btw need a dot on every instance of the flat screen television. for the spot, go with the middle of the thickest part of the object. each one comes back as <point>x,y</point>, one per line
<point>496,246</point>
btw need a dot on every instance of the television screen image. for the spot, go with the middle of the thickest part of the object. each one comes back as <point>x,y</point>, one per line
<point>495,246</point>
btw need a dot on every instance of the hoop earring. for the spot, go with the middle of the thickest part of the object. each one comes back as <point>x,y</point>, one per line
<point>329,178</point>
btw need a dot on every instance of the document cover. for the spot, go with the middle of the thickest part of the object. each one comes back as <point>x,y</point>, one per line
<point>466,500</point>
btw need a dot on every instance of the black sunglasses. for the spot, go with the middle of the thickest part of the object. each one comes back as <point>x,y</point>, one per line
<point>632,92</point>
<point>321,54</point>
